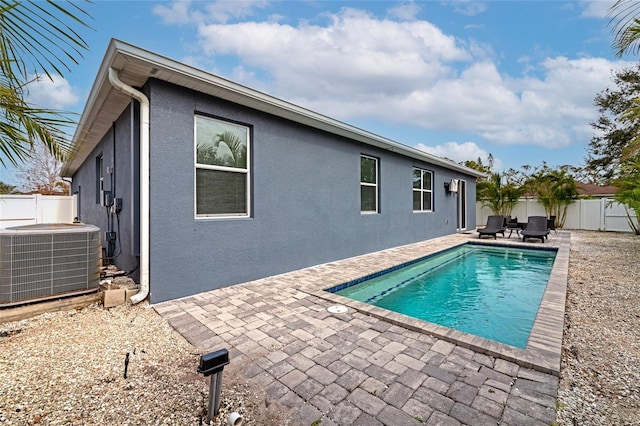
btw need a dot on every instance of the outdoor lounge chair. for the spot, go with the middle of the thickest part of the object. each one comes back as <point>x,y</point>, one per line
<point>536,228</point>
<point>495,225</point>
<point>551,224</point>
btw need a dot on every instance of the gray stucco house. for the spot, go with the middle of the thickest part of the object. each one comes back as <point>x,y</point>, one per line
<point>198,182</point>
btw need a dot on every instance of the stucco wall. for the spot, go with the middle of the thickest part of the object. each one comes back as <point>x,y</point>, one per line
<point>305,200</point>
<point>119,158</point>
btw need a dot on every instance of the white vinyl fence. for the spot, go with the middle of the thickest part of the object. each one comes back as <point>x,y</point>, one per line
<point>17,210</point>
<point>596,215</point>
<point>603,214</point>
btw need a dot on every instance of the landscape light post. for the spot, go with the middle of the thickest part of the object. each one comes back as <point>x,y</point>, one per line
<point>212,365</point>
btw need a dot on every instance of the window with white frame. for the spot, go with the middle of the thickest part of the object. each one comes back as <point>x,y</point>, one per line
<point>422,190</point>
<point>368,184</point>
<point>221,168</point>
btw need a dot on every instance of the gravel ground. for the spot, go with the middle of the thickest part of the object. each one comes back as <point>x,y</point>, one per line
<point>67,368</point>
<point>600,371</point>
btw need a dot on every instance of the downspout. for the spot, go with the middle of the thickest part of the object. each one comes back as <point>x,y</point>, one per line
<point>144,181</point>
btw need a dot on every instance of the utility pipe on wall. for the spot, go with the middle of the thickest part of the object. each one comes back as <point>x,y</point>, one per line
<point>144,181</point>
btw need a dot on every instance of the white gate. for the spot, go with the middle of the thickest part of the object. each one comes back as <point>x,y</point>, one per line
<point>615,217</point>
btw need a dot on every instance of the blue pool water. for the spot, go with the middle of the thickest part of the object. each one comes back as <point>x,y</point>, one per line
<point>489,291</point>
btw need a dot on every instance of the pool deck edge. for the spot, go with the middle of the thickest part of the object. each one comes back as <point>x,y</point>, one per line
<point>369,365</point>
<point>544,347</point>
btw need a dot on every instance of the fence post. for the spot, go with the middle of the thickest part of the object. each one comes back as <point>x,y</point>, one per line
<point>580,207</point>
<point>74,207</point>
<point>39,213</point>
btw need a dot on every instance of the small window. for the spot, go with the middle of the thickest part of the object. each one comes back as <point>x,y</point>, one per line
<point>422,190</point>
<point>368,184</point>
<point>221,168</point>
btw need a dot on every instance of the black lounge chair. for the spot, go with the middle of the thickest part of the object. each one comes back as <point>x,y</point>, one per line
<point>495,225</point>
<point>536,228</point>
<point>551,224</point>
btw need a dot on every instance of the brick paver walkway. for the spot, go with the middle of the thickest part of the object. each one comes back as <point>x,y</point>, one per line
<point>357,368</point>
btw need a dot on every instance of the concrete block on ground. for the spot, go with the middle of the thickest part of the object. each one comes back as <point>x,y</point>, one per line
<point>130,292</point>
<point>114,297</point>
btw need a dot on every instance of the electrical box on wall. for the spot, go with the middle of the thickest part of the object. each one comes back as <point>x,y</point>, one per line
<point>106,199</point>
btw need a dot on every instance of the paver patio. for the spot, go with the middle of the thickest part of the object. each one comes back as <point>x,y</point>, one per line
<point>370,366</point>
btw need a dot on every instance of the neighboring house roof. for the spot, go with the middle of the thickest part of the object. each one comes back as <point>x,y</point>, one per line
<point>594,190</point>
<point>135,65</point>
<point>588,189</point>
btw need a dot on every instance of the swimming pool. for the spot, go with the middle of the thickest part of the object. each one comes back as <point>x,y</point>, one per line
<point>489,291</point>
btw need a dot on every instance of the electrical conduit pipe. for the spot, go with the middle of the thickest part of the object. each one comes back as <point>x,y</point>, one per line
<point>144,181</point>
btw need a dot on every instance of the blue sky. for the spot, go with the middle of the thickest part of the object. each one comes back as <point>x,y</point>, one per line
<point>460,79</point>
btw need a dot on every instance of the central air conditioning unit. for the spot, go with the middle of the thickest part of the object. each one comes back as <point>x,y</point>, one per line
<point>44,261</point>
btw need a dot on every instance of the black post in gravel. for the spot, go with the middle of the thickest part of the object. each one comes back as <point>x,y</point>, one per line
<point>126,364</point>
<point>212,365</point>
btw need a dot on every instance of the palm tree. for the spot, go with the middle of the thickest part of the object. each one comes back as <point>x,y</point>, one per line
<point>556,191</point>
<point>626,26</point>
<point>626,31</point>
<point>226,149</point>
<point>499,193</point>
<point>230,149</point>
<point>35,37</point>
<point>629,193</point>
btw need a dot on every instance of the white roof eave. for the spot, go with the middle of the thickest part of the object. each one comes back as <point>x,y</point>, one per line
<point>136,66</point>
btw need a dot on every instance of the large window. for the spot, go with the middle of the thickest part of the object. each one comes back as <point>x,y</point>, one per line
<point>422,190</point>
<point>222,168</point>
<point>368,184</point>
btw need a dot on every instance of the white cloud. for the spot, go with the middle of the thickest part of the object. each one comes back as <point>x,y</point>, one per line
<point>357,66</point>
<point>480,49</point>
<point>405,11</point>
<point>549,111</point>
<point>596,8</point>
<point>175,13</point>
<point>468,7</point>
<point>52,94</point>
<point>182,12</point>
<point>224,11</point>
<point>460,152</point>
<point>355,54</point>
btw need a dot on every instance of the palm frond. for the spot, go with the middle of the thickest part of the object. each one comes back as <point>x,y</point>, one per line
<point>38,36</point>
<point>35,37</point>
<point>625,26</point>
<point>22,125</point>
<point>236,146</point>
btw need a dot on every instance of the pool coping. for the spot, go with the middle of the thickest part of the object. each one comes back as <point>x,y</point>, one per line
<point>544,348</point>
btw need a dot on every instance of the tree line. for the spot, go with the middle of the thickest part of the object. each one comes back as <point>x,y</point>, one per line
<point>613,154</point>
<point>555,188</point>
